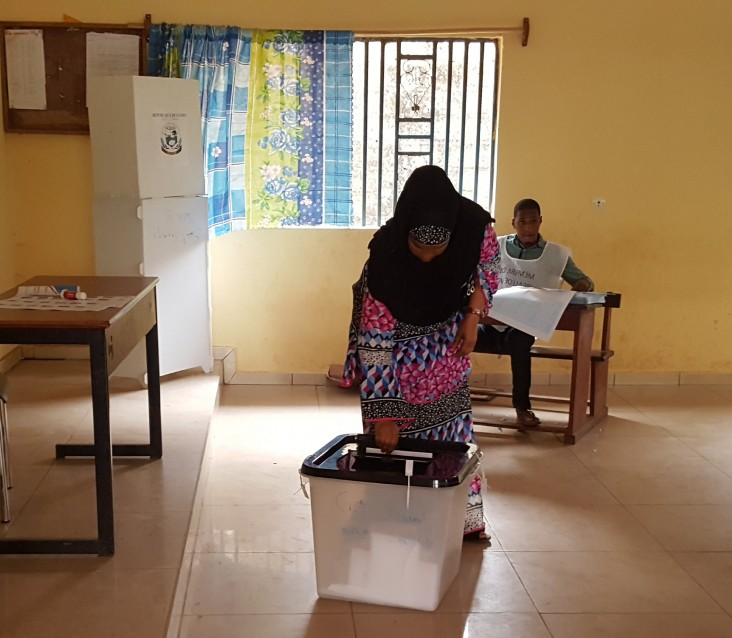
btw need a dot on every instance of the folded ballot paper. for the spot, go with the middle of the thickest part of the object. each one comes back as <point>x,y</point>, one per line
<point>536,311</point>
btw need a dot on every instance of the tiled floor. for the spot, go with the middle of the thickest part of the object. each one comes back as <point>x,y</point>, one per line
<point>628,533</point>
<point>129,594</point>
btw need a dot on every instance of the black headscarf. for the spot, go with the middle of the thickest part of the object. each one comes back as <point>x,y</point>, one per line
<point>426,293</point>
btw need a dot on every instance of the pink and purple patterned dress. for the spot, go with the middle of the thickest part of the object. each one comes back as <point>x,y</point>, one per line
<point>411,375</point>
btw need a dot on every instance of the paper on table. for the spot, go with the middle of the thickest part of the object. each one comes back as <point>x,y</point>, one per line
<point>536,311</point>
<point>588,298</point>
<point>45,291</point>
<point>45,302</point>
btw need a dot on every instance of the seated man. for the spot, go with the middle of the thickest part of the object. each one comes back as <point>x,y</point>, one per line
<point>534,263</point>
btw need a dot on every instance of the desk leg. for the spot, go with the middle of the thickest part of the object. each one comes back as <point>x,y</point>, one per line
<point>101,450</point>
<point>153,393</point>
<point>102,444</point>
<point>580,382</point>
<point>598,389</point>
<point>153,449</point>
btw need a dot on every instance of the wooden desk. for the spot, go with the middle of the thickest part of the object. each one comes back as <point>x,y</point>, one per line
<point>588,384</point>
<point>110,334</point>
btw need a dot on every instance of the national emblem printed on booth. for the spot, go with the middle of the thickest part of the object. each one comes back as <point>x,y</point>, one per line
<point>171,142</point>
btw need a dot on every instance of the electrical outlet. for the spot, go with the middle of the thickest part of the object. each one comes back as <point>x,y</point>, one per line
<point>598,203</point>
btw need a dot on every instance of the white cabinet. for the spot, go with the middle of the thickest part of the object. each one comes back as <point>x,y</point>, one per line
<point>150,215</point>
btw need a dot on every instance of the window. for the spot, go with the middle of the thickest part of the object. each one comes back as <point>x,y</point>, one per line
<point>321,128</point>
<point>417,102</point>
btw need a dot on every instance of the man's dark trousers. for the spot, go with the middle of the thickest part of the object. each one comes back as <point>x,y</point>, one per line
<point>517,345</point>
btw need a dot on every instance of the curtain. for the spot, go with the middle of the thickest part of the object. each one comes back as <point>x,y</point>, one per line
<point>276,110</point>
<point>298,161</point>
<point>218,57</point>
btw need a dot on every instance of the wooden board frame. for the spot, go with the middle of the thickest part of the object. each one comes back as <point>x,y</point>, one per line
<point>65,60</point>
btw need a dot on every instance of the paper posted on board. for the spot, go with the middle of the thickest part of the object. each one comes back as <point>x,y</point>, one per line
<point>26,69</point>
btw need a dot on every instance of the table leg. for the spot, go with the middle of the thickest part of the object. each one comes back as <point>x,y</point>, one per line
<point>598,389</point>
<point>153,449</point>
<point>580,381</point>
<point>102,445</point>
<point>153,393</point>
<point>101,449</point>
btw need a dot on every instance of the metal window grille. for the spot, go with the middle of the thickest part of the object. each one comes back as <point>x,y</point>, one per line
<point>417,102</point>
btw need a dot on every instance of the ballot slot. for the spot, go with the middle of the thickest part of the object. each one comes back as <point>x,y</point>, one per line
<point>373,459</point>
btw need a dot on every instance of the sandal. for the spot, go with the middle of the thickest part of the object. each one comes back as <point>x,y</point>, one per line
<point>477,536</point>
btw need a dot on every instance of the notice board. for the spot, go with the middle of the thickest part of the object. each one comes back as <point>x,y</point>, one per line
<point>45,66</point>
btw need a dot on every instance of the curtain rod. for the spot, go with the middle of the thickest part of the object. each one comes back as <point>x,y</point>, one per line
<point>433,33</point>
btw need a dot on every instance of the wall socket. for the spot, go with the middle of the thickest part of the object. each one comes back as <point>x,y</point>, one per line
<point>598,203</point>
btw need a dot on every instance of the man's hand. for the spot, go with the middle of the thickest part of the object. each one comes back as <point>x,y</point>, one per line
<point>387,435</point>
<point>583,285</point>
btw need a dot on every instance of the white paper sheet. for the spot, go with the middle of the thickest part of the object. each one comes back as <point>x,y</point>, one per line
<point>112,54</point>
<point>536,311</point>
<point>589,298</point>
<point>45,302</point>
<point>26,69</point>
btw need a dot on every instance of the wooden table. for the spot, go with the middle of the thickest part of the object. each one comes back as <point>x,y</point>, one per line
<point>111,334</point>
<point>588,384</point>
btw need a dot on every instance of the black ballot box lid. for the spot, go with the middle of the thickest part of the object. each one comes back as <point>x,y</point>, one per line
<point>418,462</point>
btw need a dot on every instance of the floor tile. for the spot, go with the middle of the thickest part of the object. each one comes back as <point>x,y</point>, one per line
<point>254,484</point>
<point>265,625</point>
<point>517,452</point>
<point>181,585</point>
<point>633,451</point>
<point>723,390</point>
<point>687,528</point>
<point>72,604</point>
<point>626,423</point>
<point>330,397</point>
<point>555,485</point>
<point>715,449</point>
<point>142,485</point>
<point>670,625</point>
<point>256,583</point>
<point>609,582</point>
<point>62,506</point>
<point>255,528</point>
<point>443,625</point>
<point>486,582</point>
<point>686,483</point>
<point>270,396</point>
<point>529,525</point>
<point>150,540</point>
<point>713,571</point>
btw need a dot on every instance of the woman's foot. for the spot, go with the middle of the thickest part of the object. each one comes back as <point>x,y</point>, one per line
<point>479,536</point>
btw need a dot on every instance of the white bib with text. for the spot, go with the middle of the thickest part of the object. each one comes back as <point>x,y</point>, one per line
<point>544,272</point>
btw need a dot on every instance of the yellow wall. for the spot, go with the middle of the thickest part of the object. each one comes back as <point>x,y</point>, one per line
<point>625,100</point>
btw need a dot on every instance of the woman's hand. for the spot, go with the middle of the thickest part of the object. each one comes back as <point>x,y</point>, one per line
<point>467,335</point>
<point>387,435</point>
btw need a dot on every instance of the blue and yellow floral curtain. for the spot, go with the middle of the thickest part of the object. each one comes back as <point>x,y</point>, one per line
<point>276,109</point>
<point>299,129</point>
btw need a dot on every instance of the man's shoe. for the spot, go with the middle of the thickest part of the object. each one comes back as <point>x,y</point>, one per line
<point>527,418</point>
